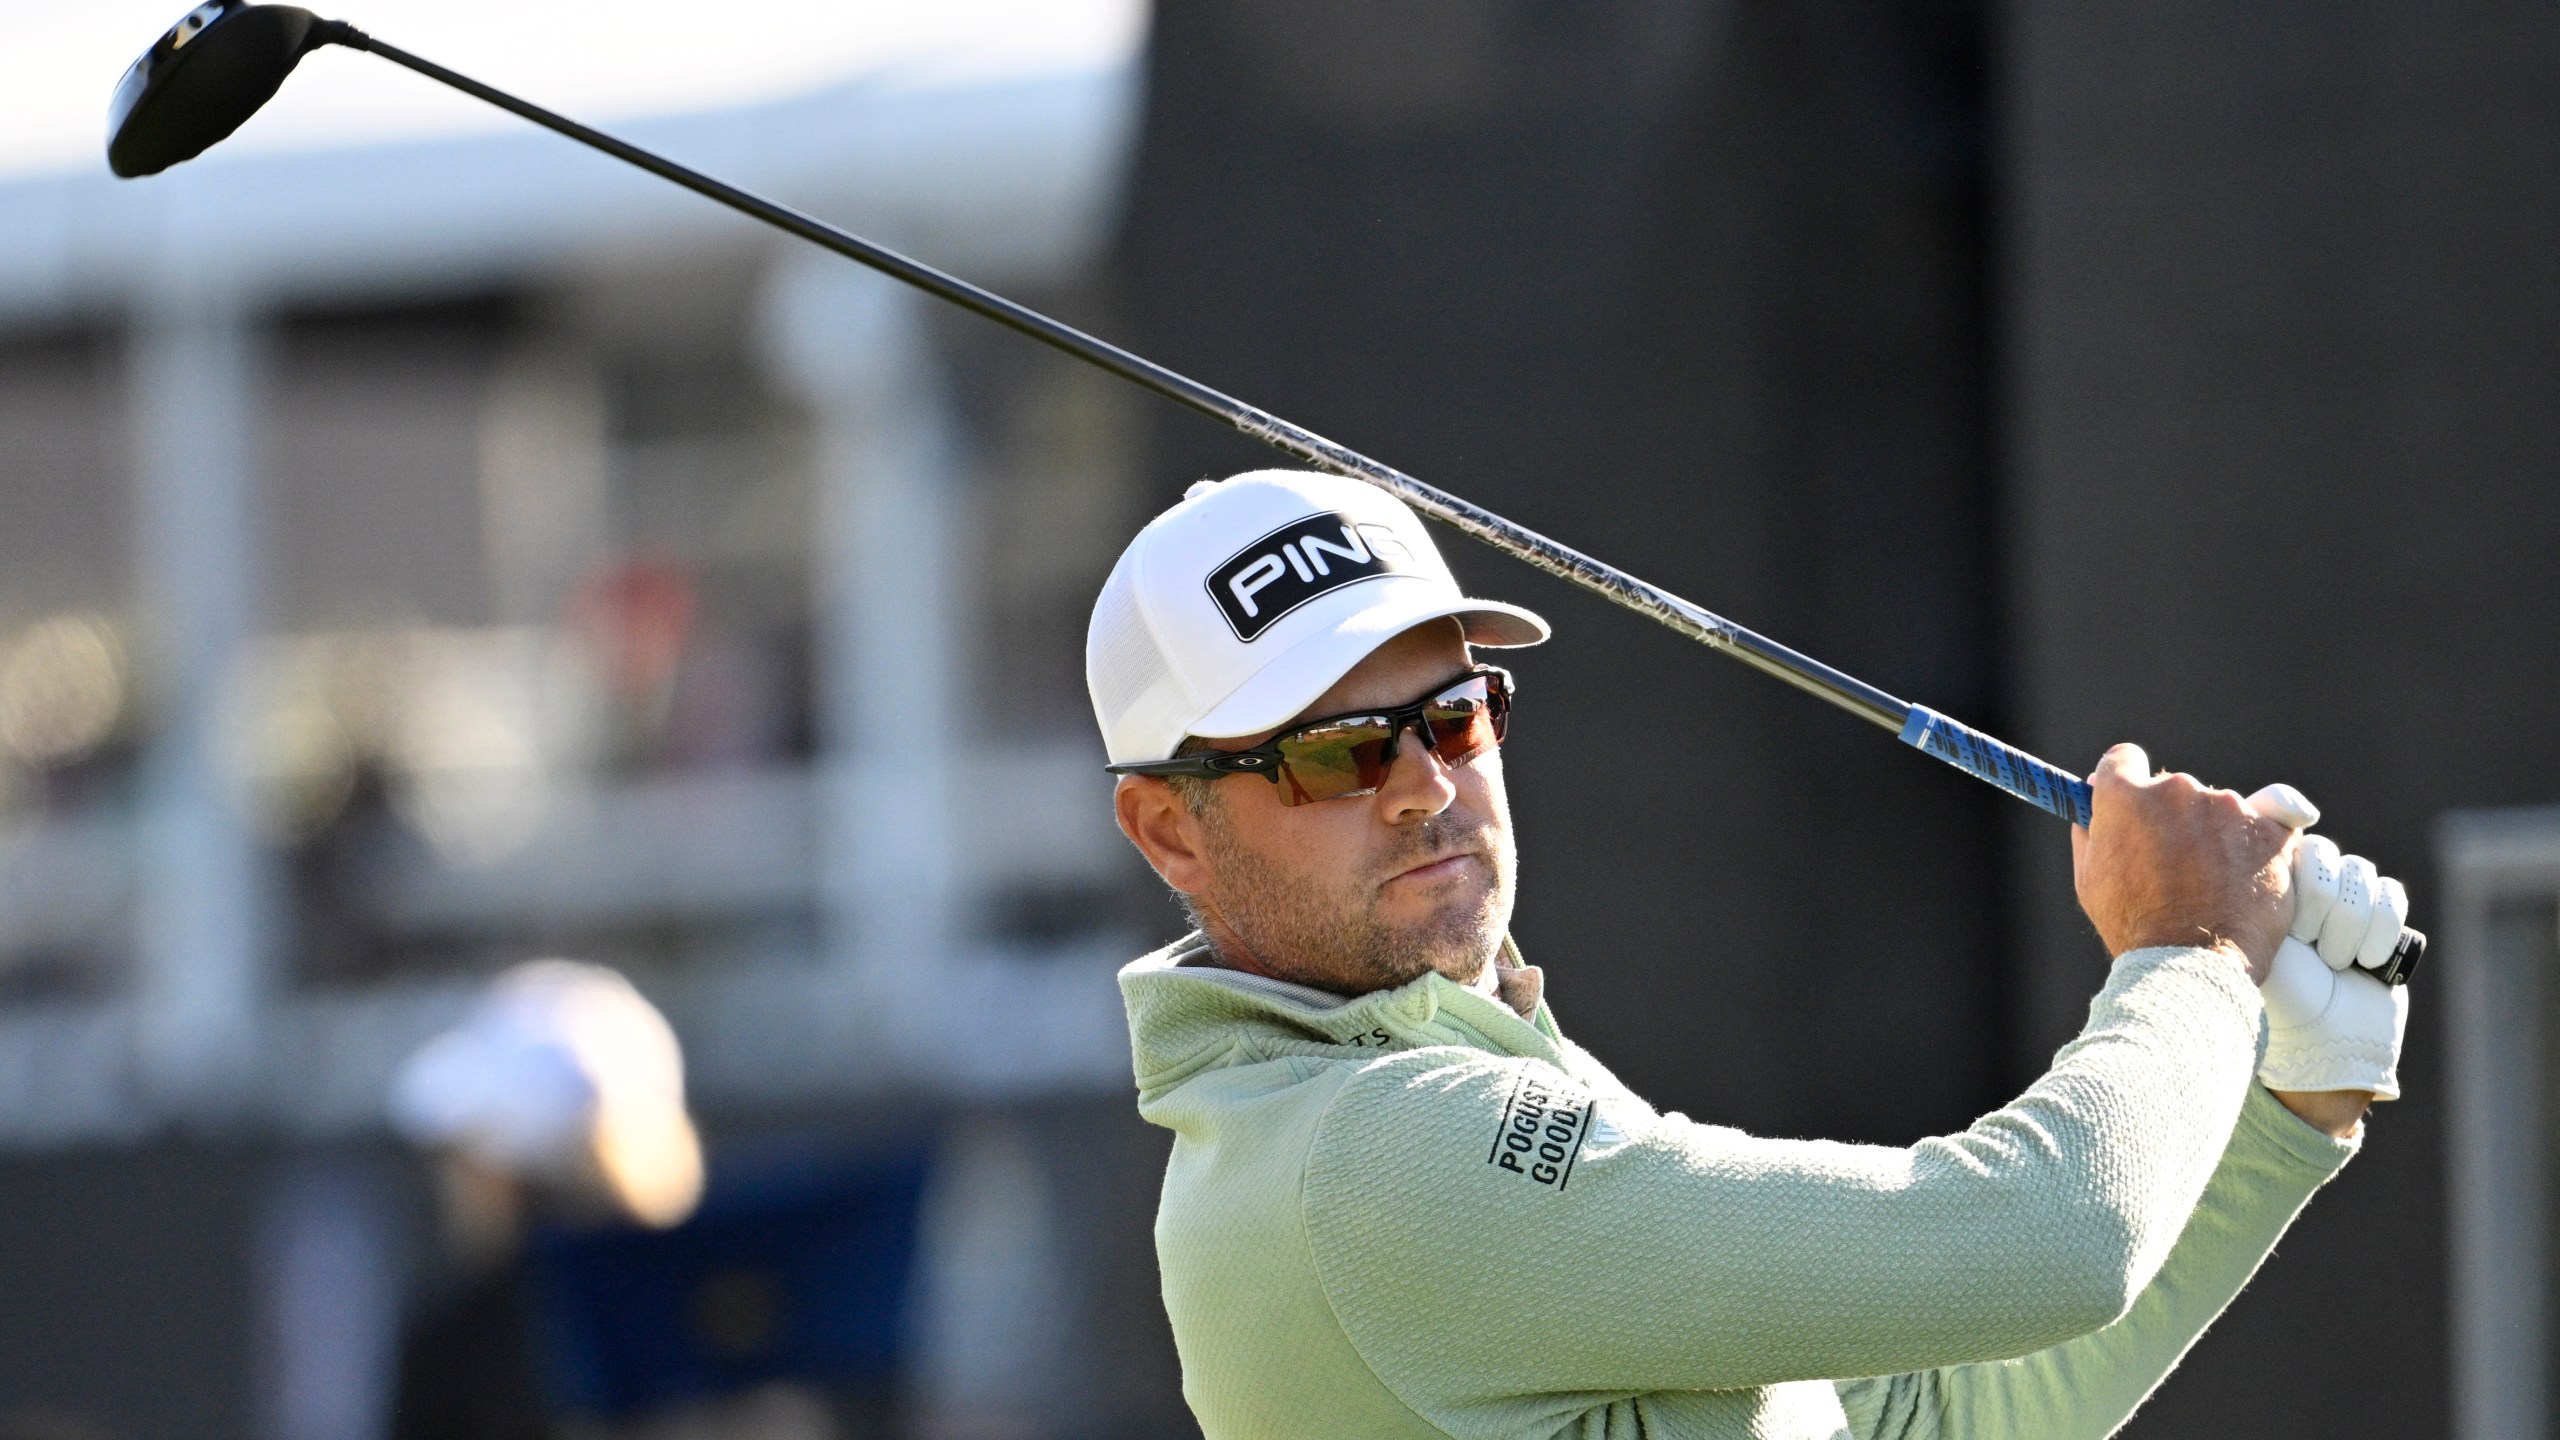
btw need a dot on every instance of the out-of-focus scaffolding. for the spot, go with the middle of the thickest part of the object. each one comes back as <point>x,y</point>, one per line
<point>892,837</point>
<point>2501,977</point>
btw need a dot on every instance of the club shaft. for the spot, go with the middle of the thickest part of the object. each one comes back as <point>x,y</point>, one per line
<point>2012,770</point>
<point>2043,785</point>
<point>1848,692</point>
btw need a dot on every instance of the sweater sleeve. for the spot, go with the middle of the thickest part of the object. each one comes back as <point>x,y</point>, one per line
<point>1485,1230</point>
<point>2090,1386</point>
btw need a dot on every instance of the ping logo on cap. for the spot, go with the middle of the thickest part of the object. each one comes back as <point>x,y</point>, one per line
<point>1300,561</point>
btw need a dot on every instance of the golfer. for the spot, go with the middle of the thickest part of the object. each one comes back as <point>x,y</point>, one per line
<point>1402,1203</point>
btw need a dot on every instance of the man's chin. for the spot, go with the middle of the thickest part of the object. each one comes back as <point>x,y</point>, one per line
<point>1400,955</point>
<point>1457,940</point>
<point>1454,910</point>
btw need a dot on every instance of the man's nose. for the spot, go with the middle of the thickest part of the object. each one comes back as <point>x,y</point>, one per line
<point>1419,784</point>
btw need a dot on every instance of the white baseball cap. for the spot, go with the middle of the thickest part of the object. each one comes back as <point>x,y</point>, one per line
<point>1232,611</point>
<point>560,1068</point>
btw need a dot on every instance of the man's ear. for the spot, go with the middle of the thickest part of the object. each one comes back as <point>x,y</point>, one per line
<point>1164,829</point>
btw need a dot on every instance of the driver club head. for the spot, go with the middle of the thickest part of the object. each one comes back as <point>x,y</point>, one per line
<point>201,80</point>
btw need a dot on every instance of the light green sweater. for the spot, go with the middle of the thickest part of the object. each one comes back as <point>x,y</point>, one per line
<point>1415,1213</point>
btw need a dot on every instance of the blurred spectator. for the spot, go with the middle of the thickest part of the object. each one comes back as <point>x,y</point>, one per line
<point>561,1096</point>
<point>637,617</point>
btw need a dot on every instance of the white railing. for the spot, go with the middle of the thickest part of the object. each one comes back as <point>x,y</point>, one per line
<point>772,1026</point>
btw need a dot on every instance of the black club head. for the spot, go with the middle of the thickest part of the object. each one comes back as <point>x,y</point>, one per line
<point>197,83</point>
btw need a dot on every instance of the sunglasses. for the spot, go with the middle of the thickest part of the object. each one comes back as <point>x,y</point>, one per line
<point>1339,756</point>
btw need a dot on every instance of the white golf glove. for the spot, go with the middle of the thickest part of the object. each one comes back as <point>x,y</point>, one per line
<point>2330,1024</point>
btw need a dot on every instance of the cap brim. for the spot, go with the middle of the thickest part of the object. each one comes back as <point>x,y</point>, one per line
<point>1290,683</point>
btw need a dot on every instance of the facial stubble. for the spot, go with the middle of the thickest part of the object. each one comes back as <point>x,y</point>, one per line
<point>1332,936</point>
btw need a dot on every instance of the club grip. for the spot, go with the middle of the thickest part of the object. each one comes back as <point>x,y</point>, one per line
<point>2054,791</point>
<point>2060,793</point>
<point>2404,958</point>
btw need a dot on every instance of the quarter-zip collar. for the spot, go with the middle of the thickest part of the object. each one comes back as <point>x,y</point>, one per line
<point>1188,1014</point>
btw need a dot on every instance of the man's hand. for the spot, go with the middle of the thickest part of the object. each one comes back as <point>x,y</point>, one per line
<point>2333,1030</point>
<point>2333,1039</point>
<point>2168,861</point>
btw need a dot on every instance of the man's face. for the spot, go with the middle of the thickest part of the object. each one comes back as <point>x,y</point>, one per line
<point>1354,894</point>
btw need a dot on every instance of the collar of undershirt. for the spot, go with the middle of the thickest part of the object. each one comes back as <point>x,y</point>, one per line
<point>1516,983</point>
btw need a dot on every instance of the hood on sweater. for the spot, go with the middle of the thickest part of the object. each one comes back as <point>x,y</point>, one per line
<point>1188,1014</point>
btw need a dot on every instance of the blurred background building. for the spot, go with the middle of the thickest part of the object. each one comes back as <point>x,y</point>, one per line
<point>428,547</point>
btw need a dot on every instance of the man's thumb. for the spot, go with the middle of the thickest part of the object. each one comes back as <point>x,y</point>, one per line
<point>2124,764</point>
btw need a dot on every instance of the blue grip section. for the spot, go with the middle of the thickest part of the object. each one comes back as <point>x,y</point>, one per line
<point>2021,774</point>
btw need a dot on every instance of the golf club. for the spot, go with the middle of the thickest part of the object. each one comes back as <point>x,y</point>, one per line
<point>226,58</point>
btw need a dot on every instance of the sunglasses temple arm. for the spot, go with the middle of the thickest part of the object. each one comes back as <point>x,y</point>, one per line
<point>1183,766</point>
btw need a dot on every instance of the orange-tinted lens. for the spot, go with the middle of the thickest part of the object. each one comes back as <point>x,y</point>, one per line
<point>1343,757</point>
<point>1348,756</point>
<point>1467,720</point>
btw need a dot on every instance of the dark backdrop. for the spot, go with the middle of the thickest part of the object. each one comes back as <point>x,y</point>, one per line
<point>2281,294</point>
<point>110,1253</point>
<point>2171,372</point>
<point>1697,291</point>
